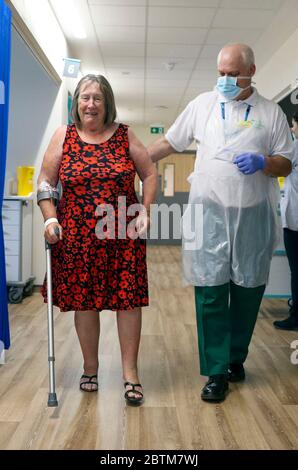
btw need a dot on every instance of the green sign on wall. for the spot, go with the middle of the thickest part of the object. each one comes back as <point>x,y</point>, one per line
<point>157,130</point>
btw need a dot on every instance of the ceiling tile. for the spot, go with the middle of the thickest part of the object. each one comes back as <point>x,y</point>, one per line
<point>129,73</point>
<point>264,4</point>
<point>204,74</point>
<point>224,36</point>
<point>124,85</point>
<point>177,35</point>
<point>117,2</point>
<point>162,63</point>
<point>160,90</point>
<point>118,15</point>
<point>210,52</point>
<point>162,99</point>
<point>239,18</point>
<point>206,64</point>
<point>117,49</point>
<point>162,85</point>
<point>172,50</point>
<point>184,3</point>
<point>121,34</point>
<point>180,17</point>
<point>125,62</point>
<point>165,75</point>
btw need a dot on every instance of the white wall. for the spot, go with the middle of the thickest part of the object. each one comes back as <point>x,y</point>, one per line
<point>280,70</point>
<point>144,135</point>
<point>40,19</point>
<point>56,117</point>
<point>277,52</point>
<point>32,97</point>
<point>37,105</point>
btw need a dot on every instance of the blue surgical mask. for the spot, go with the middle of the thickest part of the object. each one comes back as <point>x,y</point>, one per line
<point>228,87</point>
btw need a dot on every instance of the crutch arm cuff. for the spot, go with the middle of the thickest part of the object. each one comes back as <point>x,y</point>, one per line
<point>49,194</point>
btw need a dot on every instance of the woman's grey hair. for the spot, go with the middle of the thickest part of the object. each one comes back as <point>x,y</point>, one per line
<point>246,52</point>
<point>109,100</point>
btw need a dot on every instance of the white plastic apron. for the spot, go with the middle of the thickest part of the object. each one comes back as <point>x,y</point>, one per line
<point>236,225</point>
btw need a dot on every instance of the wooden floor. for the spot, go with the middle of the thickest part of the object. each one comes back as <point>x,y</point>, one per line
<point>261,413</point>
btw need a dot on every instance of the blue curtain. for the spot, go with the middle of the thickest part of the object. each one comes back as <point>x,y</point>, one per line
<point>5,38</point>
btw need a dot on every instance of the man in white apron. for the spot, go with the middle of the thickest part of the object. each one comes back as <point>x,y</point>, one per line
<point>243,144</point>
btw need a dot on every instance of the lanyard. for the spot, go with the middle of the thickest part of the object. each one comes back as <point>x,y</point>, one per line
<point>223,111</point>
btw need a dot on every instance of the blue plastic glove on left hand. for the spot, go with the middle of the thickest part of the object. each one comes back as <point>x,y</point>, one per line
<point>249,163</point>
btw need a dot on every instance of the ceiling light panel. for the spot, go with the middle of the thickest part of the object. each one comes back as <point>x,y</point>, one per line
<point>68,15</point>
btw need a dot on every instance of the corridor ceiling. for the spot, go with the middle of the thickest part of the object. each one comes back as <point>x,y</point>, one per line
<point>160,54</point>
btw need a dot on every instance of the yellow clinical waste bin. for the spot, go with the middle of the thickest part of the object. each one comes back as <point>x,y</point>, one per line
<point>25,180</point>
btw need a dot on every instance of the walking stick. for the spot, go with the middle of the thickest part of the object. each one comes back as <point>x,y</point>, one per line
<point>52,399</point>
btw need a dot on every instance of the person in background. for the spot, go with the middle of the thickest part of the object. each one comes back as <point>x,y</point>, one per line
<point>244,143</point>
<point>96,160</point>
<point>289,213</point>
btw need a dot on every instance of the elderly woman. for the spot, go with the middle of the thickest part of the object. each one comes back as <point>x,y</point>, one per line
<point>97,265</point>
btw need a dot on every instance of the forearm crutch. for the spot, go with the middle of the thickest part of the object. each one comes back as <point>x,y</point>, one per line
<point>52,400</point>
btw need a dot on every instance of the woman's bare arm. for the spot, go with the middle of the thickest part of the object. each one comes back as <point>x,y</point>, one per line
<point>48,178</point>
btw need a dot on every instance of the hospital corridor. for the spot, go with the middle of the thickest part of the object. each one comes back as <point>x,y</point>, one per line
<point>149,231</point>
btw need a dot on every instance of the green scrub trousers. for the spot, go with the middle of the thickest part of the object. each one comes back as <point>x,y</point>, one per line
<point>226,316</point>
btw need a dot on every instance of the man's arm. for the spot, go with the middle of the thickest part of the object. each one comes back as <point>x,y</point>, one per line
<point>277,166</point>
<point>145,168</point>
<point>160,149</point>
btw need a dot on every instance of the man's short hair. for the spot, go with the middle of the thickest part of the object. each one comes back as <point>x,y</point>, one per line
<point>246,52</point>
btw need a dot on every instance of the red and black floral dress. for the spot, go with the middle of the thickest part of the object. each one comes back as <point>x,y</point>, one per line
<point>108,272</point>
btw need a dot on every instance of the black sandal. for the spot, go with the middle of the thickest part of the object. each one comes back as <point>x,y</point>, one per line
<point>89,381</point>
<point>133,400</point>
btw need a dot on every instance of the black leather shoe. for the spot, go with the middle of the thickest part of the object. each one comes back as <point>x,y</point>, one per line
<point>236,373</point>
<point>216,388</point>
<point>290,323</point>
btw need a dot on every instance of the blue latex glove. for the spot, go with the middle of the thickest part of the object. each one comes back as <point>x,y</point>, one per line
<point>249,163</point>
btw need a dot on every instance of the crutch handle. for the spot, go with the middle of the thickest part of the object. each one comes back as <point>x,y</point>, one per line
<point>57,232</point>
